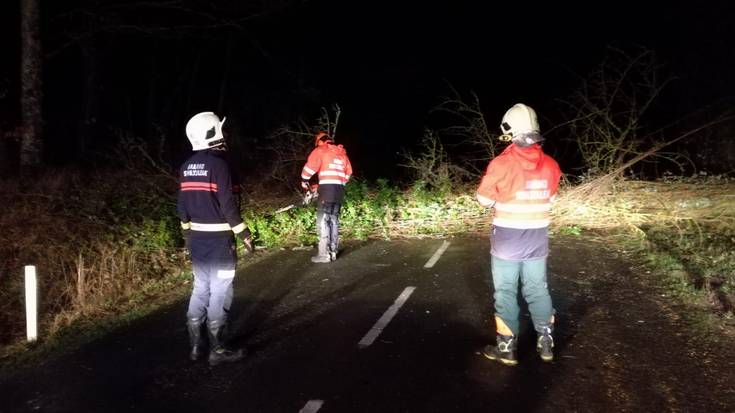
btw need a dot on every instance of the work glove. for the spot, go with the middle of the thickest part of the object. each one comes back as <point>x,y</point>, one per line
<point>305,186</point>
<point>247,239</point>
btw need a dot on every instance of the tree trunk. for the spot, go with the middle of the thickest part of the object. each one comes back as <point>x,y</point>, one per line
<point>88,115</point>
<point>151,113</point>
<point>31,145</point>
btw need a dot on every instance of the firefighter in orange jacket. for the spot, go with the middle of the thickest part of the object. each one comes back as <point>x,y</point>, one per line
<point>520,184</point>
<point>331,164</point>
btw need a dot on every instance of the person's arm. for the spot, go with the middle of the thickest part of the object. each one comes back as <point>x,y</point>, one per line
<point>348,169</point>
<point>556,177</point>
<point>184,216</point>
<point>229,205</point>
<point>312,166</point>
<point>487,192</point>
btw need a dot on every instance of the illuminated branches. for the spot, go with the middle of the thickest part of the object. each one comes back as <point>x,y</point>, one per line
<point>432,165</point>
<point>328,122</point>
<point>608,110</point>
<point>288,146</point>
<point>467,123</point>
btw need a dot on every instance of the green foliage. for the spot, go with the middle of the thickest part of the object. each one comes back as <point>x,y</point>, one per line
<point>379,209</point>
<point>575,230</point>
<point>432,166</point>
<point>367,212</point>
<point>156,234</point>
<point>294,225</point>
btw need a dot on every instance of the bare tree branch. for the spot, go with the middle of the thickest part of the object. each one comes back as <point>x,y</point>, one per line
<point>174,18</point>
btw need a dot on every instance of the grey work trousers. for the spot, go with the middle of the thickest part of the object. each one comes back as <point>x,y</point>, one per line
<point>212,292</point>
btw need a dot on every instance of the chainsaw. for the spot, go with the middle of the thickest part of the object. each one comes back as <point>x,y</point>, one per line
<point>309,196</point>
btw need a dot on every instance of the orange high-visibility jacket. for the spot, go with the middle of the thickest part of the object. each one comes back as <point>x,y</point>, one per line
<point>331,162</point>
<point>520,184</point>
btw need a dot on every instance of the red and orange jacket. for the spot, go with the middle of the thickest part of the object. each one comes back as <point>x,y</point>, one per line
<point>521,184</point>
<point>330,162</point>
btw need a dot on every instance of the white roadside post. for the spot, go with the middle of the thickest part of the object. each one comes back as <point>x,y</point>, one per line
<point>31,303</point>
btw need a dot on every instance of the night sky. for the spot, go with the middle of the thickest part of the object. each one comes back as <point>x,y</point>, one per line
<point>385,62</point>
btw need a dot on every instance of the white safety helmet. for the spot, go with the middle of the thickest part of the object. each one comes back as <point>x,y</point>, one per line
<point>204,131</point>
<point>519,119</point>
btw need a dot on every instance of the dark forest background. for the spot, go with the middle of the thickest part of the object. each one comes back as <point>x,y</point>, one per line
<point>115,70</point>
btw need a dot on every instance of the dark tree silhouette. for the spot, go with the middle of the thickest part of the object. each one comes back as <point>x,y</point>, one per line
<point>31,86</point>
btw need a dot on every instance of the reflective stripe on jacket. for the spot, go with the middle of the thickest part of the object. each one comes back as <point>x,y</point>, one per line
<point>208,201</point>
<point>520,184</point>
<point>330,162</point>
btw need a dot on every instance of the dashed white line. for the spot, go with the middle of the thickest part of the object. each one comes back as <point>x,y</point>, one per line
<point>312,406</point>
<point>385,318</point>
<point>434,258</point>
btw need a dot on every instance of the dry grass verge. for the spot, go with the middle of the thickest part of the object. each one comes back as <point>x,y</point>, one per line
<point>687,226</point>
<point>100,244</point>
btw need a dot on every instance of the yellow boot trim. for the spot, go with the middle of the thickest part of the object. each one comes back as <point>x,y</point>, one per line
<point>502,328</point>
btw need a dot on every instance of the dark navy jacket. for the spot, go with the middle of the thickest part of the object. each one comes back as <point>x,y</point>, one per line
<point>208,205</point>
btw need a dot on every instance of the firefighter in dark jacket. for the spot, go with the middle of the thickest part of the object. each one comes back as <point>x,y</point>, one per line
<point>334,170</point>
<point>208,207</point>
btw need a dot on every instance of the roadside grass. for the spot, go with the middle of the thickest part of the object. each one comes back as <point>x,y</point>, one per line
<point>79,330</point>
<point>104,244</point>
<point>109,250</point>
<point>683,230</point>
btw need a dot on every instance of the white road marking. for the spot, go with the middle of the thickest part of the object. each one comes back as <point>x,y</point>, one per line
<point>385,318</point>
<point>434,258</point>
<point>312,406</point>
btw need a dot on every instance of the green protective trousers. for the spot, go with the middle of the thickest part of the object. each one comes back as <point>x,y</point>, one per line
<point>505,276</point>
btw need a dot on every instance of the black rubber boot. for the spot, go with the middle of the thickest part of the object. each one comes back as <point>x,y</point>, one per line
<point>194,326</point>
<point>217,351</point>
<point>504,351</point>
<point>545,345</point>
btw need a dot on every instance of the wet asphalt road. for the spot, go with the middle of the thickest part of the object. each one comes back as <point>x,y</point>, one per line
<point>302,324</point>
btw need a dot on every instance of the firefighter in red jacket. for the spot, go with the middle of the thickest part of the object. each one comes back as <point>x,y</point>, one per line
<point>333,167</point>
<point>208,207</point>
<point>520,184</point>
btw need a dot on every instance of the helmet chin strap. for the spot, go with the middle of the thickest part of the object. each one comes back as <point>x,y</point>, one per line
<point>522,141</point>
<point>525,140</point>
<point>221,146</point>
